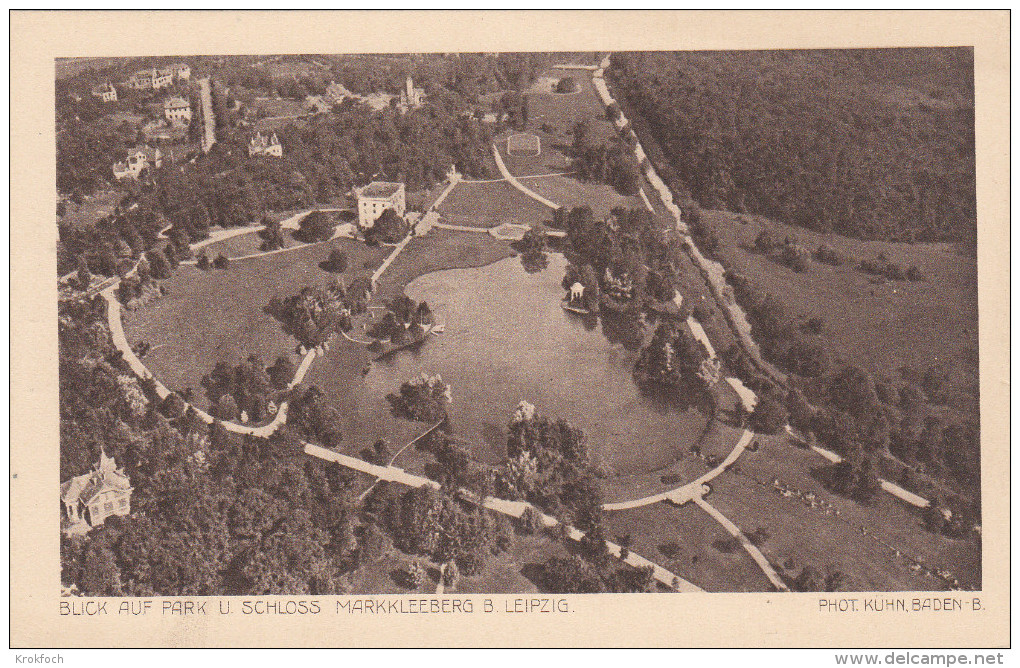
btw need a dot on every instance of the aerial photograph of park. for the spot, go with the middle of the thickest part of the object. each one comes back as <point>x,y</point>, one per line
<point>514,323</point>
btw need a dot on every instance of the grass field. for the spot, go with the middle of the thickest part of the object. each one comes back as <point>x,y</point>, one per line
<point>508,572</point>
<point>248,244</point>
<point>91,209</point>
<point>553,159</point>
<point>490,205</point>
<point>504,573</point>
<point>271,106</point>
<point>812,537</point>
<point>239,246</point>
<point>217,315</point>
<point>698,560</point>
<point>563,111</point>
<point>440,249</point>
<point>570,192</point>
<point>883,326</point>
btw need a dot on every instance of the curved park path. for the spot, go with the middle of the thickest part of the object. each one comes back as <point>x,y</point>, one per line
<point>713,273</point>
<point>512,508</point>
<point>390,472</point>
<point>748,546</point>
<point>517,184</point>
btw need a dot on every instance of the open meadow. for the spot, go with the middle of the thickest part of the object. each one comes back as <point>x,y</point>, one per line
<point>490,204</point>
<point>687,541</point>
<point>570,192</point>
<point>878,323</point>
<point>217,315</point>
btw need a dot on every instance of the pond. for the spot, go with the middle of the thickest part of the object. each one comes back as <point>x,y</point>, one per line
<point>507,339</point>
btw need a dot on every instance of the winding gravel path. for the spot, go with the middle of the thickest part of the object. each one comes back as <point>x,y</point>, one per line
<point>511,508</point>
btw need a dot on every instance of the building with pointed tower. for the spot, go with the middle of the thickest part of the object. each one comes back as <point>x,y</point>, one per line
<point>87,500</point>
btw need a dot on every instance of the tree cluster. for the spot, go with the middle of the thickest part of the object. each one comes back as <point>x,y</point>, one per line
<point>245,388</point>
<point>423,398</point>
<point>815,137</point>
<point>548,464</point>
<point>316,313</point>
<point>405,321</point>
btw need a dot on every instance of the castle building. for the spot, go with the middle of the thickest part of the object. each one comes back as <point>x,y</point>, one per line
<point>177,110</point>
<point>378,196</point>
<point>262,144</point>
<point>87,500</point>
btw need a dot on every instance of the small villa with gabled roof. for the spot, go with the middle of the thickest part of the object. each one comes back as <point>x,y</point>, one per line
<point>87,500</point>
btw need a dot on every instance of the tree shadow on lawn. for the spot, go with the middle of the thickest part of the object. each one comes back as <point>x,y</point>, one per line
<point>726,545</point>
<point>535,574</point>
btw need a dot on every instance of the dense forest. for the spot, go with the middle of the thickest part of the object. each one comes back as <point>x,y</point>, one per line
<point>870,143</point>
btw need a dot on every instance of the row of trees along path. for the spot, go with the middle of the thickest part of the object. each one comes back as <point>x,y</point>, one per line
<point>713,274</point>
<point>511,508</point>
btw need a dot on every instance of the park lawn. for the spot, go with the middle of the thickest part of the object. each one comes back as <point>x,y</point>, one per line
<point>363,418</point>
<point>882,326</point>
<point>438,250</point>
<point>244,245</point>
<point>809,536</point>
<point>554,157</point>
<point>217,315</point>
<point>270,106</point>
<point>504,573</point>
<point>239,246</point>
<point>490,204</point>
<point>563,111</point>
<point>92,208</point>
<point>716,439</point>
<point>699,560</point>
<point>570,192</point>
<point>378,577</point>
<point>888,518</point>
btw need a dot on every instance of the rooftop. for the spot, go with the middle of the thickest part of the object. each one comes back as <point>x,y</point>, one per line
<point>381,189</point>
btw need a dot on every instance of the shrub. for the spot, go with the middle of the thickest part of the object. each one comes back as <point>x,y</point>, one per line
<point>895,272</point>
<point>815,325</point>
<point>413,575</point>
<point>473,562</point>
<point>826,254</point>
<point>566,85</point>
<point>316,226</point>
<point>221,261</point>
<point>336,263</point>
<point>765,242</point>
<point>769,415</point>
<point>796,257</point>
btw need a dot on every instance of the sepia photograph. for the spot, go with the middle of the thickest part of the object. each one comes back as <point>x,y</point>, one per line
<point>434,324</point>
<point>518,322</point>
